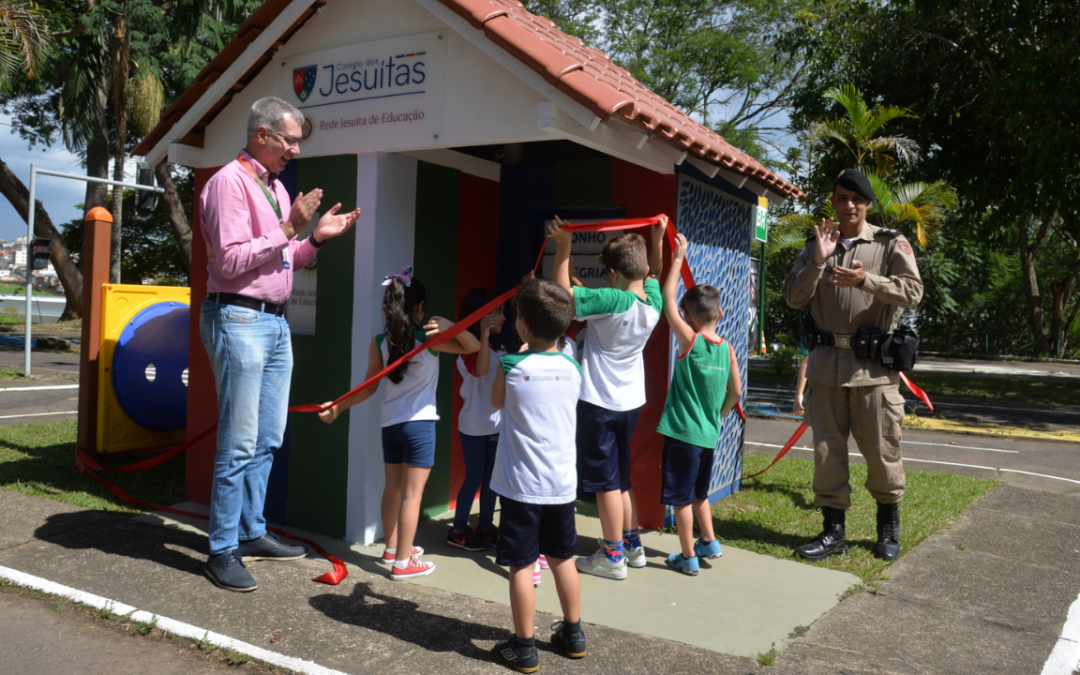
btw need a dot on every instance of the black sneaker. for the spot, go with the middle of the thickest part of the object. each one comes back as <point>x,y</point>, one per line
<point>466,540</point>
<point>488,535</point>
<point>269,547</point>
<point>520,658</point>
<point>227,571</point>
<point>570,637</point>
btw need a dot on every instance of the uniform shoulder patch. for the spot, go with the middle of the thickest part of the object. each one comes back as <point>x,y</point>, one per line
<point>904,246</point>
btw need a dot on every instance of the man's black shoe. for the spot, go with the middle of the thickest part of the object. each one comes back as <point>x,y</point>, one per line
<point>888,532</point>
<point>521,658</point>
<point>570,637</point>
<point>831,541</point>
<point>269,547</point>
<point>227,571</point>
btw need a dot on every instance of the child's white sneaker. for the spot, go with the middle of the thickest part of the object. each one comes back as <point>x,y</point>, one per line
<point>598,564</point>
<point>635,557</point>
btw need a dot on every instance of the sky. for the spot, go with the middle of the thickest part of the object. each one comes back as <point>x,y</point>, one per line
<point>58,195</point>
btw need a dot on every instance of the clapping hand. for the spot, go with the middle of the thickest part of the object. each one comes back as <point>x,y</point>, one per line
<point>304,208</point>
<point>333,224</point>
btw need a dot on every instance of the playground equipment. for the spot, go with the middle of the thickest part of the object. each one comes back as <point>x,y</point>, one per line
<point>142,372</point>
<point>134,357</point>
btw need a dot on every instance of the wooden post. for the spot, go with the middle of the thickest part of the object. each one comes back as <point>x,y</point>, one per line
<point>97,246</point>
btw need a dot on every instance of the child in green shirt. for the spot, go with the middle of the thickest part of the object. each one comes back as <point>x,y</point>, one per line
<point>705,385</point>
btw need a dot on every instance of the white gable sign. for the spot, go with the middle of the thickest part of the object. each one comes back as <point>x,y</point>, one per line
<point>371,96</point>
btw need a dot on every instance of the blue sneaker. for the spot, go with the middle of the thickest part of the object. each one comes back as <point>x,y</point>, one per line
<point>687,566</point>
<point>710,550</point>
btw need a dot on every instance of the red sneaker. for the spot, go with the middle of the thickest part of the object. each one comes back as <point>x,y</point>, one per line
<point>416,568</point>
<point>388,558</point>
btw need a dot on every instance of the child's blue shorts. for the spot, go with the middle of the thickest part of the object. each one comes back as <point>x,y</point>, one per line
<point>603,447</point>
<point>411,443</point>
<point>687,473</point>
<point>527,530</point>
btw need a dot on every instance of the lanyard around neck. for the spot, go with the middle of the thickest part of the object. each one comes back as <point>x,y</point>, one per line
<point>270,198</point>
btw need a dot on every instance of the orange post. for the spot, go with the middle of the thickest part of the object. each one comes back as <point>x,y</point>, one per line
<point>97,245</point>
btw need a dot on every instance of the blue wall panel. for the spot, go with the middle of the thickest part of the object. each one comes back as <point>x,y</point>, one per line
<point>718,227</point>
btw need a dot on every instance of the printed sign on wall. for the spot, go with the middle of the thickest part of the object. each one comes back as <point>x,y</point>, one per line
<point>586,251</point>
<point>371,96</point>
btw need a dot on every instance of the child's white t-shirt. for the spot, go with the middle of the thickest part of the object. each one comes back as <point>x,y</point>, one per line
<point>620,323</point>
<point>412,399</point>
<point>536,460</point>
<point>478,417</point>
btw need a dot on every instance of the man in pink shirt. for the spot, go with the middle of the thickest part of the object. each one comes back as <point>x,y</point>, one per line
<point>250,226</point>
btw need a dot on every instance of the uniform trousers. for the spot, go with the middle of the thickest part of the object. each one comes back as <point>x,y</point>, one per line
<point>874,416</point>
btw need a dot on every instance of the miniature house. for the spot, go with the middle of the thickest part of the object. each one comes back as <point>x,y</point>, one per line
<point>459,127</point>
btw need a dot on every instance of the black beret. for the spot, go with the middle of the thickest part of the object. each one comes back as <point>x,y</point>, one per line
<point>856,181</point>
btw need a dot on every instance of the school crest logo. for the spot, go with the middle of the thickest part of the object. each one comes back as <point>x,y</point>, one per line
<point>526,378</point>
<point>303,81</point>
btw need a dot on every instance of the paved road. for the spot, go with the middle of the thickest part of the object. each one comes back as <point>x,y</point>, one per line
<point>1012,460</point>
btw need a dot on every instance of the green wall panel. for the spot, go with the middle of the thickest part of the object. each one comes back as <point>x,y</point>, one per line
<point>582,183</point>
<point>318,452</point>
<point>435,264</point>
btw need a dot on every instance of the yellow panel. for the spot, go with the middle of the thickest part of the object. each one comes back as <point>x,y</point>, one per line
<point>116,432</point>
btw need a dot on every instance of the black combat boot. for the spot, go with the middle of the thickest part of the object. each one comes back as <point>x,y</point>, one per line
<point>888,532</point>
<point>831,541</point>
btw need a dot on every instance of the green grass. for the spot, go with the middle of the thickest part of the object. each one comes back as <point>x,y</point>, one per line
<point>12,289</point>
<point>39,459</point>
<point>992,388</point>
<point>775,512</point>
<point>11,374</point>
<point>12,317</point>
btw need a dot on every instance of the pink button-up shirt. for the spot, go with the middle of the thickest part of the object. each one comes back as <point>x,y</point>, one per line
<point>244,241</point>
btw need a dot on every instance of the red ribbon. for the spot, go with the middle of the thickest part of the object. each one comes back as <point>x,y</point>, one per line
<point>918,392</point>
<point>802,427</point>
<point>787,446</point>
<point>461,326</point>
<point>89,467</point>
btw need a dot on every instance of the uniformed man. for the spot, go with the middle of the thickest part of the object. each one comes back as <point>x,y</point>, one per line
<point>856,278</point>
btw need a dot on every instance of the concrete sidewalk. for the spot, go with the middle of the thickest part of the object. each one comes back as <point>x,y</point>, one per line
<point>989,595</point>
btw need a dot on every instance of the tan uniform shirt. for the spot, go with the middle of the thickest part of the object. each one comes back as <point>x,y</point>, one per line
<point>892,283</point>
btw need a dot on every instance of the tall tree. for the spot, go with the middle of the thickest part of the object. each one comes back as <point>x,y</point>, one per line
<point>722,60</point>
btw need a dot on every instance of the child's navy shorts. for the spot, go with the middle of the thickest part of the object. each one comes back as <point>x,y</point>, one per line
<point>527,530</point>
<point>687,472</point>
<point>603,447</point>
<point>411,443</point>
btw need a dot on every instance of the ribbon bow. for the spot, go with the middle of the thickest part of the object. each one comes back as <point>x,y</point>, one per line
<point>405,277</point>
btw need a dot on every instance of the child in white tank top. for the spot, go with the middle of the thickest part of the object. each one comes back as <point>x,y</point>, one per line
<point>408,413</point>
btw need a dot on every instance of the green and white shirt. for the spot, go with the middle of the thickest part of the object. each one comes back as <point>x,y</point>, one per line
<point>620,323</point>
<point>413,398</point>
<point>536,460</point>
<point>698,388</point>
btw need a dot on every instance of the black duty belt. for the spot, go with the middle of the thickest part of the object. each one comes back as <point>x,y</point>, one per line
<point>249,303</point>
<point>832,340</point>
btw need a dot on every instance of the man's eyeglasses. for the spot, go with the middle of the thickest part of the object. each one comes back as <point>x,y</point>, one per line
<point>289,142</point>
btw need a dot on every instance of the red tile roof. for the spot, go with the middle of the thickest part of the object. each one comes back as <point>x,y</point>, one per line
<point>585,74</point>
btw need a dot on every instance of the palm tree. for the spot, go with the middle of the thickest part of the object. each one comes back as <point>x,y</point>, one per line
<point>25,39</point>
<point>856,131</point>
<point>916,209</point>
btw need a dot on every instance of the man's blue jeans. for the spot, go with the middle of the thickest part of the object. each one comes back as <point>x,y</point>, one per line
<point>251,354</point>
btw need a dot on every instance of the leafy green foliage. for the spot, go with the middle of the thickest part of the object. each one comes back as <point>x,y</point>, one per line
<point>150,251</point>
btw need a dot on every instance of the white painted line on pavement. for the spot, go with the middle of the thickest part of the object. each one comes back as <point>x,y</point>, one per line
<point>50,388</point>
<point>1041,475</point>
<point>961,447</point>
<point>932,461</point>
<point>165,623</point>
<point>11,417</point>
<point>1065,656</point>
